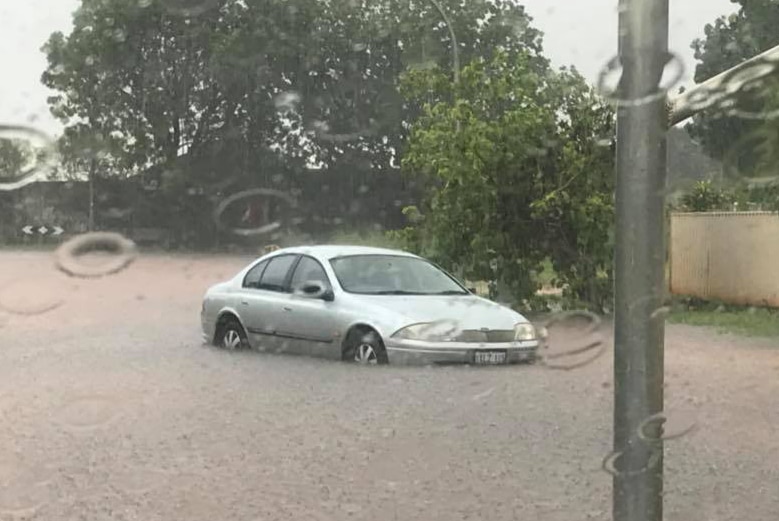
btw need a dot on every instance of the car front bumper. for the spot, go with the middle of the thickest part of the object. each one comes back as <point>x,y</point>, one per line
<point>415,352</point>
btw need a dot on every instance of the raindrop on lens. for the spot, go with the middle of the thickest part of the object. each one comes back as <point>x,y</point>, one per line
<point>33,296</point>
<point>661,420</point>
<point>610,79</point>
<point>87,412</point>
<point>267,228</point>
<point>40,154</point>
<point>119,254</point>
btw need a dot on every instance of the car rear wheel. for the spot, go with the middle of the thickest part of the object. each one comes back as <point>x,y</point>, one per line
<point>231,336</point>
<point>364,346</point>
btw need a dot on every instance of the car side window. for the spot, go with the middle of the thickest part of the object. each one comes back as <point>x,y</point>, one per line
<point>309,270</point>
<point>275,275</point>
<point>252,278</point>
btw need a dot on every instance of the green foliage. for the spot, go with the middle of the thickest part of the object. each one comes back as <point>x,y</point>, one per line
<point>705,196</point>
<point>14,156</point>
<point>519,164</point>
<point>749,146</point>
<point>249,93</point>
<point>764,198</point>
<point>233,89</point>
<point>409,238</point>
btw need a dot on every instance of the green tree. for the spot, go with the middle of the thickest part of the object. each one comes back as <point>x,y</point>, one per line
<point>519,165</point>
<point>706,197</point>
<point>14,156</point>
<point>241,81</point>
<point>738,131</point>
<point>250,92</point>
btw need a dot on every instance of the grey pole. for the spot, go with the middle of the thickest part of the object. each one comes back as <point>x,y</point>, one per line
<point>640,259</point>
<point>453,36</point>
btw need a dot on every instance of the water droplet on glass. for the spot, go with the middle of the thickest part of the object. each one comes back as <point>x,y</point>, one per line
<point>572,340</point>
<point>85,413</point>
<point>666,426</point>
<point>610,79</point>
<point>23,491</point>
<point>29,155</point>
<point>258,211</point>
<point>35,295</point>
<point>95,254</point>
<point>611,464</point>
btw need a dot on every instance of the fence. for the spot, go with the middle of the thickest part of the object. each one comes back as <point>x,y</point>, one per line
<point>728,256</point>
<point>326,201</point>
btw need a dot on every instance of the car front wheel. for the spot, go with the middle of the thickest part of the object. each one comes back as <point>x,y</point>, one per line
<point>364,346</point>
<point>232,336</point>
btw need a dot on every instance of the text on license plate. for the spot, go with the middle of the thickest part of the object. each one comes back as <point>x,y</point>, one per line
<point>490,357</point>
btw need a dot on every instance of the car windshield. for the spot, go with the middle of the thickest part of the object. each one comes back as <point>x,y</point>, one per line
<point>393,275</point>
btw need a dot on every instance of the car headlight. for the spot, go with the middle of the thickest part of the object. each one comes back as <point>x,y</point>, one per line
<point>524,331</point>
<point>442,331</point>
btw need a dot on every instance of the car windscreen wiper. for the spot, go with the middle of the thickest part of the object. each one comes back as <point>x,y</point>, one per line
<point>449,292</point>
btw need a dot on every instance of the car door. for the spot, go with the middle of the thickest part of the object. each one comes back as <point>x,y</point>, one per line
<point>264,297</point>
<point>311,321</point>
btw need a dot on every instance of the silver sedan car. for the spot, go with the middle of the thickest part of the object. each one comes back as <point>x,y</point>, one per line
<point>367,305</point>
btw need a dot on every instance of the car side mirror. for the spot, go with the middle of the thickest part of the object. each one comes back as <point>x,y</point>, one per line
<point>315,290</point>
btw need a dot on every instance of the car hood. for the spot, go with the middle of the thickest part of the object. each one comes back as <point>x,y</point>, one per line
<point>469,311</point>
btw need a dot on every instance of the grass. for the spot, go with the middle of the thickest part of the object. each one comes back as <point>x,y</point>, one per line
<point>753,322</point>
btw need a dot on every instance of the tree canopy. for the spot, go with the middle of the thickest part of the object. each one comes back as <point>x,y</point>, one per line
<point>14,155</point>
<point>519,165</point>
<point>255,93</point>
<point>249,88</point>
<point>516,158</point>
<point>743,132</point>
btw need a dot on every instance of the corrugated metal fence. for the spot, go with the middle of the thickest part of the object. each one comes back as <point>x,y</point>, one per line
<point>728,256</point>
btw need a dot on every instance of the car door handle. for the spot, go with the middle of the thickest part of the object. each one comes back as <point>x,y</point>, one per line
<point>287,308</point>
<point>245,302</point>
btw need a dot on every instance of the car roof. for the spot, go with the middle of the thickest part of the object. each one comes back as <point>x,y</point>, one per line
<point>331,251</point>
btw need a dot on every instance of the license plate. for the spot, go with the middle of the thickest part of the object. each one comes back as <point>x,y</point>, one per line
<point>490,357</point>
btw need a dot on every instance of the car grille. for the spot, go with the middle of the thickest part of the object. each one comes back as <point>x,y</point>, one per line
<point>493,336</point>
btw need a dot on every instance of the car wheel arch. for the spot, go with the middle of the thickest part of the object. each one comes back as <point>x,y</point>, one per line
<point>222,318</point>
<point>365,326</point>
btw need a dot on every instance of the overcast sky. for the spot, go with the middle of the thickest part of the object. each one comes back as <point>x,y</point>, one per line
<point>576,32</point>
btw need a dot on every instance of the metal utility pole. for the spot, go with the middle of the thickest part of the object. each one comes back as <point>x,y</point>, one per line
<point>453,36</point>
<point>640,259</point>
